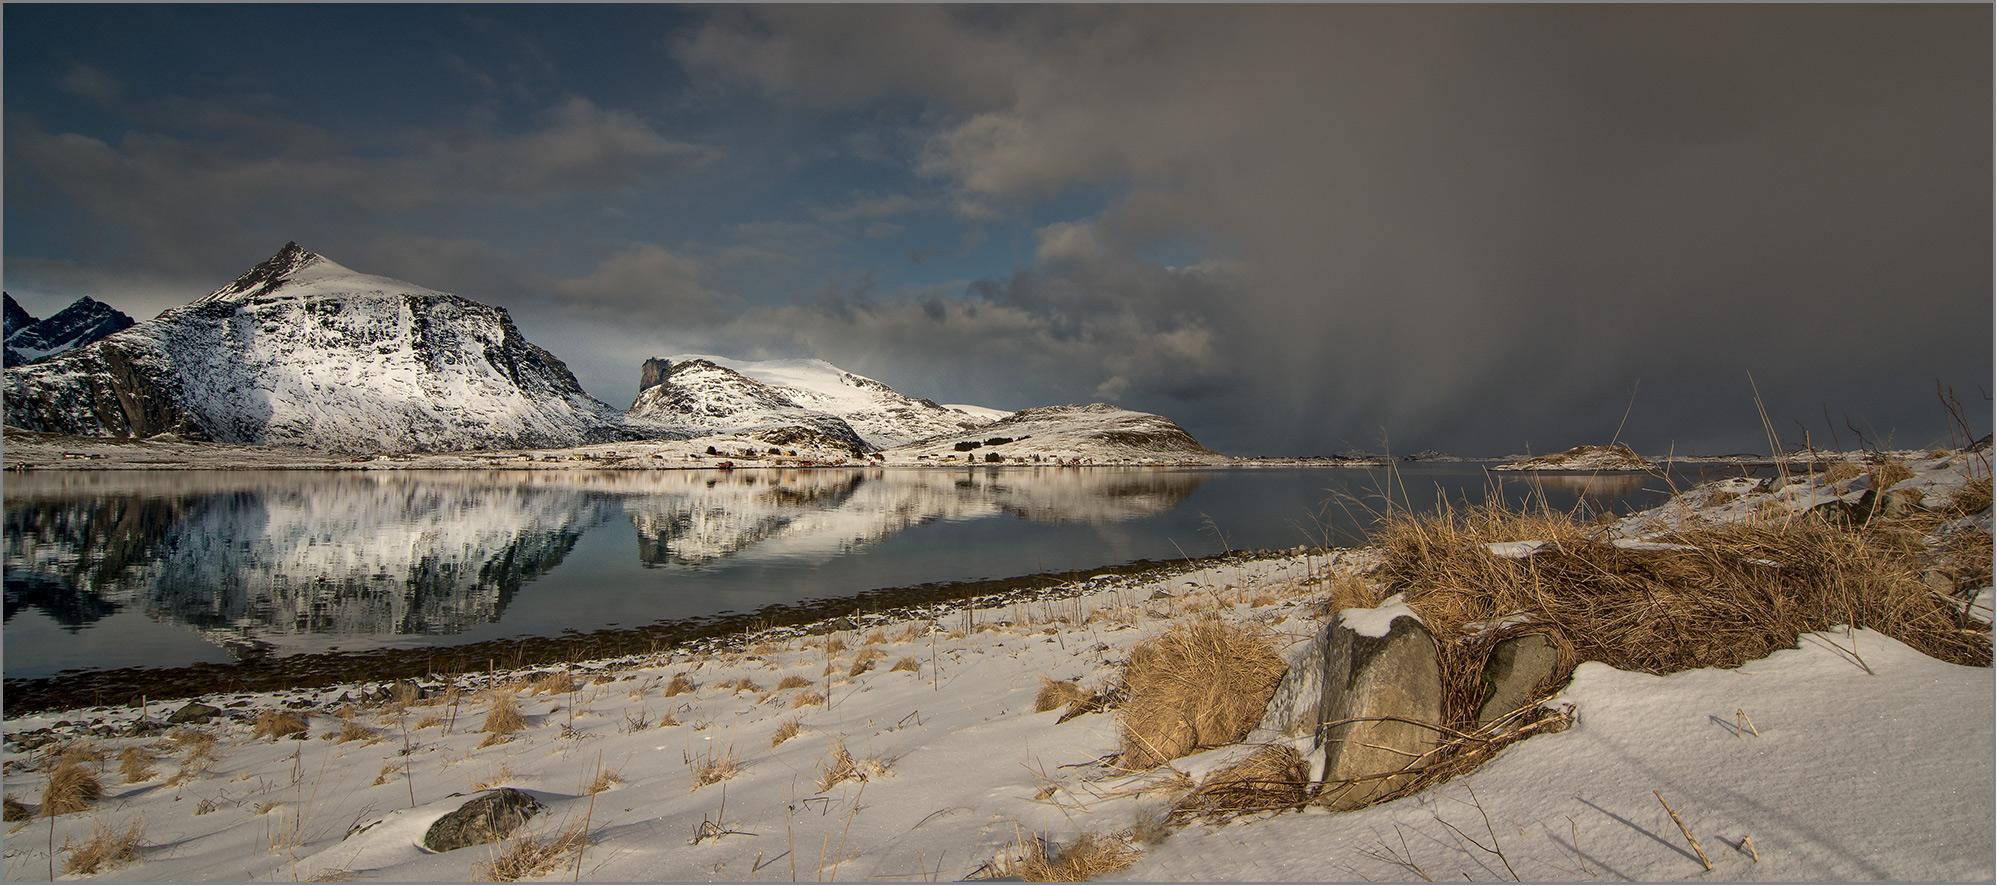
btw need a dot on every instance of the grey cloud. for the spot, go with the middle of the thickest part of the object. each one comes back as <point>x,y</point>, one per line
<point>1476,226</point>
<point>182,194</point>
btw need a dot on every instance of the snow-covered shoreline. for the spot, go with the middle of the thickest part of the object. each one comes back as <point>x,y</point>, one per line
<point>1848,757</point>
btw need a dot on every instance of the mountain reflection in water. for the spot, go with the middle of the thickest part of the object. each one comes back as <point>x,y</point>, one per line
<point>257,562</point>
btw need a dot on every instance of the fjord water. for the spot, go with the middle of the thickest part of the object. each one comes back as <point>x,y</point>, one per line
<point>120,569</point>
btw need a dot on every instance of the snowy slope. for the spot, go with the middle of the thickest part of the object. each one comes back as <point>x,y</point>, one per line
<point>302,351</point>
<point>1097,433</point>
<point>84,321</point>
<point>879,414</point>
<point>699,397</point>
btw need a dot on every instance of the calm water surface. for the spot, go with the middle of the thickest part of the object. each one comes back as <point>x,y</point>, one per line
<point>116,569</point>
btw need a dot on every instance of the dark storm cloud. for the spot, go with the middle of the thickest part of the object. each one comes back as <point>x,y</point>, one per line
<point>1484,227</point>
<point>1293,228</point>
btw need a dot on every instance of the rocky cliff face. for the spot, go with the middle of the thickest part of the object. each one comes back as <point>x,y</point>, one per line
<point>84,321</point>
<point>302,351</point>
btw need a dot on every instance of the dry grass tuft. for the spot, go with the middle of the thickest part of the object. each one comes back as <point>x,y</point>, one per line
<point>714,766</point>
<point>806,699</point>
<point>875,636</point>
<point>1090,855</point>
<point>1202,684</point>
<point>75,752</point>
<point>1739,593</point>
<point>532,855</point>
<point>106,849</point>
<point>1057,693</point>
<point>72,787</point>
<point>787,729</point>
<point>834,645</point>
<point>860,666</point>
<point>504,717</point>
<point>494,778</point>
<point>1889,472</point>
<point>278,724</point>
<point>743,685</point>
<point>907,663</point>
<point>1840,471</point>
<point>841,766</point>
<point>793,681</point>
<point>429,721</point>
<point>353,731</point>
<point>1272,778</point>
<point>15,810</point>
<point>678,685</point>
<point>135,764</point>
<point>604,780</point>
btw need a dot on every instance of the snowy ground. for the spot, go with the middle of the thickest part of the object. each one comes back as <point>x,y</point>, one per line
<point>1849,757</point>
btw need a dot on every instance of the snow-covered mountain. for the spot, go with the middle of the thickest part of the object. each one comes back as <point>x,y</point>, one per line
<point>302,351</point>
<point>712,394</point>
<point>1096,433</point>
<point>881,415</point>
<point>699,397</point>
<point>17,317</point>
<point>86,320</point>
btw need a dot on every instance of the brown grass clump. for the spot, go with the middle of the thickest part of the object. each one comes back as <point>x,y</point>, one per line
<point>1272,778</point>
<point>603,781</point>
<point>76,752</point>
<point>1741,592</point>
<point>787,729</point>
<point>714,766</point>
<point>1840,471</point>
<point>743,685</point>
<point>278,724</point>
<point>531,856</point>
<point>353,731</point>
<point>834,645</point>
<point>793,681</point>
<point>806,699</point>
<point>504,717</point>
<point>907,663</point>
<point>1202,684</point>
<point>15,810</point>
<point>72,787</point>
<point>106,849</point>
<point>841,766</point>
<point>860,666</point>
<point>135,764</point>
<point>678,685</point>
<point>1889,472</point>
<point>1090,855</point>
<point>875,636</point>
<point>1057,693</point>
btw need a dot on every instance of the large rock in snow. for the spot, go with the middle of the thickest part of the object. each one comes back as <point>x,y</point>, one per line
<point>1382,703</point>
<point>301,351</point>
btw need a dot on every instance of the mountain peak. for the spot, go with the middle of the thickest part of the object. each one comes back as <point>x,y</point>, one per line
<point>271,273</point>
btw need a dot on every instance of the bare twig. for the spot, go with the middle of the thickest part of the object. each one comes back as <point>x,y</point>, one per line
<point>1685,830</point>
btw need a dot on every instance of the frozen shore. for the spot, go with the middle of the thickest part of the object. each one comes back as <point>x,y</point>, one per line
<point>909,749</point>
